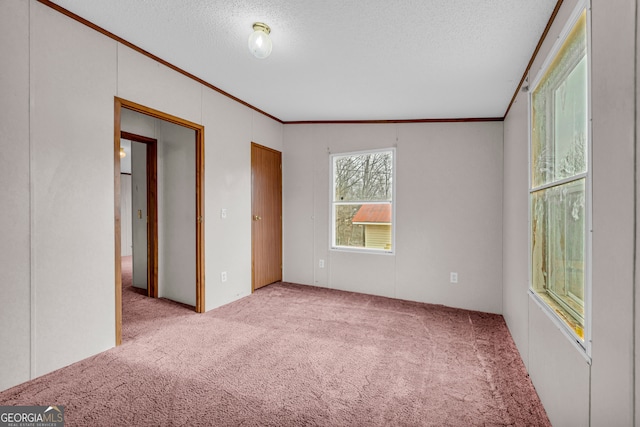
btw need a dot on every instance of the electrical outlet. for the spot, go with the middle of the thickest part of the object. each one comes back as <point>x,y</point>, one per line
<point>223,276</point>
<point>321,263</point>
<point>453,278</point>
<point>223,213</point>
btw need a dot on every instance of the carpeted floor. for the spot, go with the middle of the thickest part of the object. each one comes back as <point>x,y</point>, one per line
<point>292,355</point>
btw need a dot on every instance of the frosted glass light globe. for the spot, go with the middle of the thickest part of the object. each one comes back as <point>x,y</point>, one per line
<point>259,41</point>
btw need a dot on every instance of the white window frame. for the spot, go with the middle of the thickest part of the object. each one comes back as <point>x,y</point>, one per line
<point>583,345</point>
<point>333,203</point>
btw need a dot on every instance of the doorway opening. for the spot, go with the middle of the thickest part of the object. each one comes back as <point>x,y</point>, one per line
<point>141,218</point>
<point>198,221</point>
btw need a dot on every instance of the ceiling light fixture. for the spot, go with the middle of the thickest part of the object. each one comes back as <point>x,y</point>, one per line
<point>259,41</point>
<point>123,153</point>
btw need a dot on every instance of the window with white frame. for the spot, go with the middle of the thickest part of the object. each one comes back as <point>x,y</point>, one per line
<point>560,180</point>
<point>362,201</point>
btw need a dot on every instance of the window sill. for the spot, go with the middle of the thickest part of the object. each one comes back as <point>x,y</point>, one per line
<point>362,250</point>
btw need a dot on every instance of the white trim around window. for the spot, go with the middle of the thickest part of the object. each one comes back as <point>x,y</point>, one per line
<point>362,201</point>
<point>556,184</point>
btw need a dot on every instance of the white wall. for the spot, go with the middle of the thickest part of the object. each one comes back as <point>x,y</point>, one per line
<point>515,229</point>
<point>126,232</point>
<point>637,249</point>
<point>613,90</point>
<point>573,392</point>
<point>125,162</point>
<point>15,226</point>
<point>448,207</point>
<point>139,189</point>
<point>177,213</point>
<point>57,107</point>
<point>72,82</point>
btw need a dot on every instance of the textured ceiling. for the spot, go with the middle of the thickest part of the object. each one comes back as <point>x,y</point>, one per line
<point>341,59</point>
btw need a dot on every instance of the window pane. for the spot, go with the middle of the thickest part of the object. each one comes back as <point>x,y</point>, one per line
<point>347,233</point>
<point>363,177</point>
<point>364,225</point>
<point>558,242</point>
<point>559,113</point>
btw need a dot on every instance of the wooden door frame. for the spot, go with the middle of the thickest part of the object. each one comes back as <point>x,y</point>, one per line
<point>119,104</point>
<point>152,208</point>
<point>253,269</point>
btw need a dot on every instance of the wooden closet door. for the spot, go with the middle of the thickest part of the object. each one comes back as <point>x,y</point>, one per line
<point>266,220</point>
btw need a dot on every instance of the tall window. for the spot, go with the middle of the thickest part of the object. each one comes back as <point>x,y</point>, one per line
<point>560,180</point>
<point>362,200</point>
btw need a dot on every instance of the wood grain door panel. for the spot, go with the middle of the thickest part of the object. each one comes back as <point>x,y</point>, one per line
<point>266,205</point>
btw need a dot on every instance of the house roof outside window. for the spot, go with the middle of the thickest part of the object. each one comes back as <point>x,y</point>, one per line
<point>373,214</point>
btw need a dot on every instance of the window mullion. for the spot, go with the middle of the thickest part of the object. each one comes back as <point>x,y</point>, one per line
<point>559,182</point>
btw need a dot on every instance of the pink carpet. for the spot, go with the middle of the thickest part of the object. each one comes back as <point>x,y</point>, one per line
<point>292,355</point>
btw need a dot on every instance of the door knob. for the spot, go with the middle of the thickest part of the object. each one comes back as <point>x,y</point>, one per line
<point>257,218</point>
